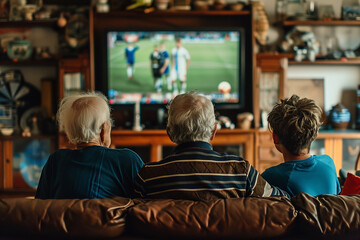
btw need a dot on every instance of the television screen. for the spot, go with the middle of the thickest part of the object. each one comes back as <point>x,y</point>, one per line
<point>154,66</point>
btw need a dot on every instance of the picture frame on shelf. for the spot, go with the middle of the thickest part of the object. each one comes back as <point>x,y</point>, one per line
<point>326,12</point>
<point>301,86</point>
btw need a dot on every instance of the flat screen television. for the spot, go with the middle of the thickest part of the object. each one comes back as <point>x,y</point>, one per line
<point>209,61</point>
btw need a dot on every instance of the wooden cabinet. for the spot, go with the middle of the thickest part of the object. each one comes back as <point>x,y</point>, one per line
<point>270,82</point>
<point>267,154</point>
<point>21,161</point>
<point>156,140</point>
<point>74,75</point>
<point>330,142</point>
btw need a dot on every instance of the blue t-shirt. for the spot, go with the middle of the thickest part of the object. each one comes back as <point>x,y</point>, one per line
<point>130,54</point>
<point>165,55</point>
<point>92,172</point>
<point>315,175</point>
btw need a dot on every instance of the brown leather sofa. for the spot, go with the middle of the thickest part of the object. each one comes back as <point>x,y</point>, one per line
<point>302,217</point>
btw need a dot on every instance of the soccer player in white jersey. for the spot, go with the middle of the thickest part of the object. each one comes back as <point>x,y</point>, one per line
<point>180,61</point>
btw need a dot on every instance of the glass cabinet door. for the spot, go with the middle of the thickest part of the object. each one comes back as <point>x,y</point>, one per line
<point>269,90</point>
<point>351,149</point>
<point>318,147</point>
<point>29,157</point>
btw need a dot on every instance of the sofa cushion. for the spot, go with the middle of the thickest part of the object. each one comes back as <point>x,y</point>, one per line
<point>67,217</point>
<point>223,218</point>
<point>329,216</point>
<point>351,185</point>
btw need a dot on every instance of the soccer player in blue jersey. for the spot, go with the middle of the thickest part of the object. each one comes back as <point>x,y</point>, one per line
<point>165,69</point>
<point>294,123</point>
<point>130,59</point>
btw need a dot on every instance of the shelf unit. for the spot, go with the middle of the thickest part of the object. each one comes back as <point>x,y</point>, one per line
<point>321,23</point>
<point>31,62</point>
<point>326,62</point>
<point>29,24</point>
<point>330,23</point>
<point>11,179</point>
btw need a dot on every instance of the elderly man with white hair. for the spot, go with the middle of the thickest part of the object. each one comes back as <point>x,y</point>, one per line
<point>195,171</point>
<point>92,170</point>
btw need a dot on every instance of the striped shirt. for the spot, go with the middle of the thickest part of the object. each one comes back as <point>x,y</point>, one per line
<point>196,172</point>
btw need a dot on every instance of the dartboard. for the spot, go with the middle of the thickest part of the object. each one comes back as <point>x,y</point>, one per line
<point>12,87</point>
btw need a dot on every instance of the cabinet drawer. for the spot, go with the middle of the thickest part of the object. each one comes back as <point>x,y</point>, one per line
<point>265,138</point>
<point>269,153</point>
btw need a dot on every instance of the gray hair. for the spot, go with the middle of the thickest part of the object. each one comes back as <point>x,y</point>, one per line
<point>191,118</point>
<point>82,116</point>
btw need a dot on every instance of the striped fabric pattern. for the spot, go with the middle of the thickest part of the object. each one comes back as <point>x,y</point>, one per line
<point>196,172</point>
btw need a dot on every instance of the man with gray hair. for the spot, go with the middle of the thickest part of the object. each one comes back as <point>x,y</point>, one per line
<point>92,170</point>
<point>195,171</point>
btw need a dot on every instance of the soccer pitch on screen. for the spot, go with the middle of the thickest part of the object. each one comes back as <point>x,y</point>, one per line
<point>211,63</point>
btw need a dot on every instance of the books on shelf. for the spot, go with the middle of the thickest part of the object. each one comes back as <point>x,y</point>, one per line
<point>73,83</point>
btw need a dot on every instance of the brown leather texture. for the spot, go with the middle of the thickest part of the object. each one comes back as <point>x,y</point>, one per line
<point>224,218</point>
<point>328,216</point>
<point>302,217</point>
<point>86,218</point>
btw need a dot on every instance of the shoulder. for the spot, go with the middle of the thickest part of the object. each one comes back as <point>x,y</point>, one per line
<point>325,159</point>
<point>126,156</point>
<point>121,152</point>
<point>280,169</point>
<point>184,50</point>
<point>59,153</point>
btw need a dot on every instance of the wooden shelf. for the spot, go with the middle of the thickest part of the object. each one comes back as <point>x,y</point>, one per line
<point>30,62</point>
<point>173,13</point>
<point>29,24</point>
<point>321,23</point>
<point>17,192</point>
<point>326,62</point>
<point>14,137</point>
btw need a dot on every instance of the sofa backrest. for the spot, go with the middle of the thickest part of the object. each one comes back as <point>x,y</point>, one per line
<point>224,218</point>
<point>328,216</point>
<point>86,218</point>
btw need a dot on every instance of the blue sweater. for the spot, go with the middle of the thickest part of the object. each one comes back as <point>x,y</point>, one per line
<point>315,175</point>
<point>92,172</point>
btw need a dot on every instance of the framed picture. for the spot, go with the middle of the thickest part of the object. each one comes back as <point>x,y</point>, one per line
<point>309,88</point>
<point>326,12</point>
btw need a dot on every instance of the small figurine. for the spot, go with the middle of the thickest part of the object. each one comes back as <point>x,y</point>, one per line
<point>26,132</point>
<point>35,128</point>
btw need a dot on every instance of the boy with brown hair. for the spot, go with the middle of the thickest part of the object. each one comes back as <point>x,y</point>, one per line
<point>294,123</point>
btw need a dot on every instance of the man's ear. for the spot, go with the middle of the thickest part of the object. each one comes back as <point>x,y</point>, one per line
<point>167,132</point>
<point>214,132</point>
<point>102,133</point>
<point>276,138</point>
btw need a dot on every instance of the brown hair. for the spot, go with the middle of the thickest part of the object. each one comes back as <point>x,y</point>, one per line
<point>296,121</point>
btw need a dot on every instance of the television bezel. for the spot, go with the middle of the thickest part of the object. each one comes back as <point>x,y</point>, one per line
<point>241,59</point>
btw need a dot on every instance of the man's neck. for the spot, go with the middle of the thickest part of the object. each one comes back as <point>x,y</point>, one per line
<point>84,145</point>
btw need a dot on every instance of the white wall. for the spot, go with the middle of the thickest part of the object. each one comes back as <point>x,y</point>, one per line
<point>340,81</point>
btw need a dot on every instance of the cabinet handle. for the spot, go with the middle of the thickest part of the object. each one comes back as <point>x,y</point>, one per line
<point>7,161</point>
<point>273,153</point>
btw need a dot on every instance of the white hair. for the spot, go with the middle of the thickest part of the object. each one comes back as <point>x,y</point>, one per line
<point>82,116</point>
<point>191,118</point>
